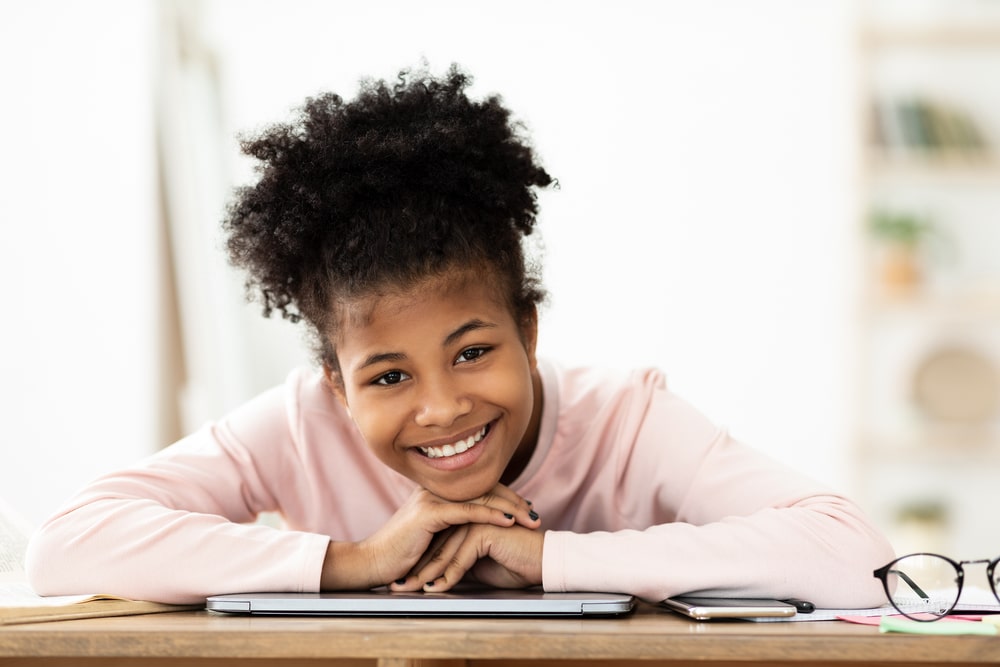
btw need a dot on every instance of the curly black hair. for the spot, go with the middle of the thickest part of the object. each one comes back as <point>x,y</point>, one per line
<point>404,182</point>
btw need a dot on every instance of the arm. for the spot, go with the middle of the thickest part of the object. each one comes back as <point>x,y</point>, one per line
<point>708,514</point>
<point>173,529</point>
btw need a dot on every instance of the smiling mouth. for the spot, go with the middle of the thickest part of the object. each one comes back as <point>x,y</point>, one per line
<point>456,447</point>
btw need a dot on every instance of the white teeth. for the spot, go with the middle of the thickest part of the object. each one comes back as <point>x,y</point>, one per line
<point>455,448</point>
<point>463,445</point>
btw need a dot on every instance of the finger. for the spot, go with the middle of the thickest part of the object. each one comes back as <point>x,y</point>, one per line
<point>449,514</point>
<point>412,580</point>
<point>510,502</point>
<point>446,571</point>
<point>442,559</point>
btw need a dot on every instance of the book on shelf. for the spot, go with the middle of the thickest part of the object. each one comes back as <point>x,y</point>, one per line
<point>20,604</point>
<point>920,125</point>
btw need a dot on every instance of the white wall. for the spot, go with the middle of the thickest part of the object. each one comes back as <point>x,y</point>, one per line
<point>77,260</point>
<point>703,224</point>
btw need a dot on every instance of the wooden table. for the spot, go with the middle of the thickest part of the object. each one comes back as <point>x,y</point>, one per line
<point>651,635</point>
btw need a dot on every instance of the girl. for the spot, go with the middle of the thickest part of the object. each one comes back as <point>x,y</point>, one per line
<point>433,445</point>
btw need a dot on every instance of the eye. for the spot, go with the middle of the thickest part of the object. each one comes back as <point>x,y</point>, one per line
<point>390,378</point>
<point>471,354</point>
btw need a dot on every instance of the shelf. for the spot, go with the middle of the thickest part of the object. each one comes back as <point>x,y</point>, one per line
<point>960,36</point>
<point>978,447</point>
<point>959,305</point>
<point>950,168</point>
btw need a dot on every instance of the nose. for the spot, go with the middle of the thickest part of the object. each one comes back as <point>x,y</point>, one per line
<point>440,402</point>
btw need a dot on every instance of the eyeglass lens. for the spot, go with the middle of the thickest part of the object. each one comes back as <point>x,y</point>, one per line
<point>923,583</point>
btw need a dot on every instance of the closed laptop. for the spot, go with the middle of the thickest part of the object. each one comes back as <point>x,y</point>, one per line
<point>466,602</point>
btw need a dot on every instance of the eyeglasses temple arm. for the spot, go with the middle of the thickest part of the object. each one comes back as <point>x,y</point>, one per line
<point>911,583</point>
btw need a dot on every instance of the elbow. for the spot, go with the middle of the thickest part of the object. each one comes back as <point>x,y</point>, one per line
<point>874,551</point>
<point>882,552</point>
<point>850,581</point>
<point>59,562</point>
<point>44,566</point>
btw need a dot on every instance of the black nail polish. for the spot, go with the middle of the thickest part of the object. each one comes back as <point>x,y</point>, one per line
<point>534,515</point>
<point>401,581</point>
<point>429,584</point>
<point>509,516</point>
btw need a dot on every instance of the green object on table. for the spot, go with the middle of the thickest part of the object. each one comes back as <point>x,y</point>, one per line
<point>891,624</point>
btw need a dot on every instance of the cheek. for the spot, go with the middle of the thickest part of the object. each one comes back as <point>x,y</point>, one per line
<point>375,423</point>
<point>513,388</point>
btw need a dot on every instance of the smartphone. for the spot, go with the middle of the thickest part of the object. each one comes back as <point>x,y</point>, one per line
<point>703,609</point>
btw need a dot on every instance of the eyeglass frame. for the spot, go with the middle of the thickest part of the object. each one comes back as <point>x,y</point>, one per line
<point>882,574</point>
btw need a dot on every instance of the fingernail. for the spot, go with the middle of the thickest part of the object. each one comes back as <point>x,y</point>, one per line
<point>401,581</point>
<point>529,502</point>
<point>534,515</point>
<point>429,584</point>
<point>509,516</point>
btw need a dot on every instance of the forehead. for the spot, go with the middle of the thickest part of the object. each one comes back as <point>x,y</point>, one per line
<point>452,296</point>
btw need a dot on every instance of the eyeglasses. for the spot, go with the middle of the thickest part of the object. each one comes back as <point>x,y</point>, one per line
<point>929,583</point>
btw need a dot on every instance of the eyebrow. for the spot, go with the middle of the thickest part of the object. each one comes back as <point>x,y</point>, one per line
<point>380,357</point>
<point>471,325</point>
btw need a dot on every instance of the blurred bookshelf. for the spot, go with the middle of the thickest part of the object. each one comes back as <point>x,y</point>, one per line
<point>927,419</point>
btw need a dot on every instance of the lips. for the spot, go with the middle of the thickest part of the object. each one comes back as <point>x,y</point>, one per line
<point>457,447</point>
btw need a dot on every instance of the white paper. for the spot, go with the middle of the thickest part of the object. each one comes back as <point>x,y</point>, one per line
<point>973,599</point>
<point>19,594</point>
<point>14,533</point>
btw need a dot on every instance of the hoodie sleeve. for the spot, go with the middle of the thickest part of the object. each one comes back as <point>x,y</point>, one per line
<point>178,527</point>
<point>710,515</point>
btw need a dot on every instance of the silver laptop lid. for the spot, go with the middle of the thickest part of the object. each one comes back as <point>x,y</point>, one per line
<point>480,602</point>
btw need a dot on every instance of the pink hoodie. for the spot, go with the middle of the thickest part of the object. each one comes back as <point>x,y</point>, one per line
<point>637,492</point>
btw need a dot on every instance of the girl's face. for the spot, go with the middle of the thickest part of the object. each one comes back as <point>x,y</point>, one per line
<point>442,383</point>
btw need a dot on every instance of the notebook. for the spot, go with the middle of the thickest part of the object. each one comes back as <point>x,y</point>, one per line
<point>466,602</point>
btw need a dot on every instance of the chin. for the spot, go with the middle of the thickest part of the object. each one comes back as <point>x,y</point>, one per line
<point>462,492</point>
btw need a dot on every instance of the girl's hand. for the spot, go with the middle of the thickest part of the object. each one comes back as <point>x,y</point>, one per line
<point>498,556</point>
<point>391,553</point>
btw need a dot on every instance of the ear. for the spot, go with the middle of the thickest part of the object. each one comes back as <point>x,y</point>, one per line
<point>335,383</point>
